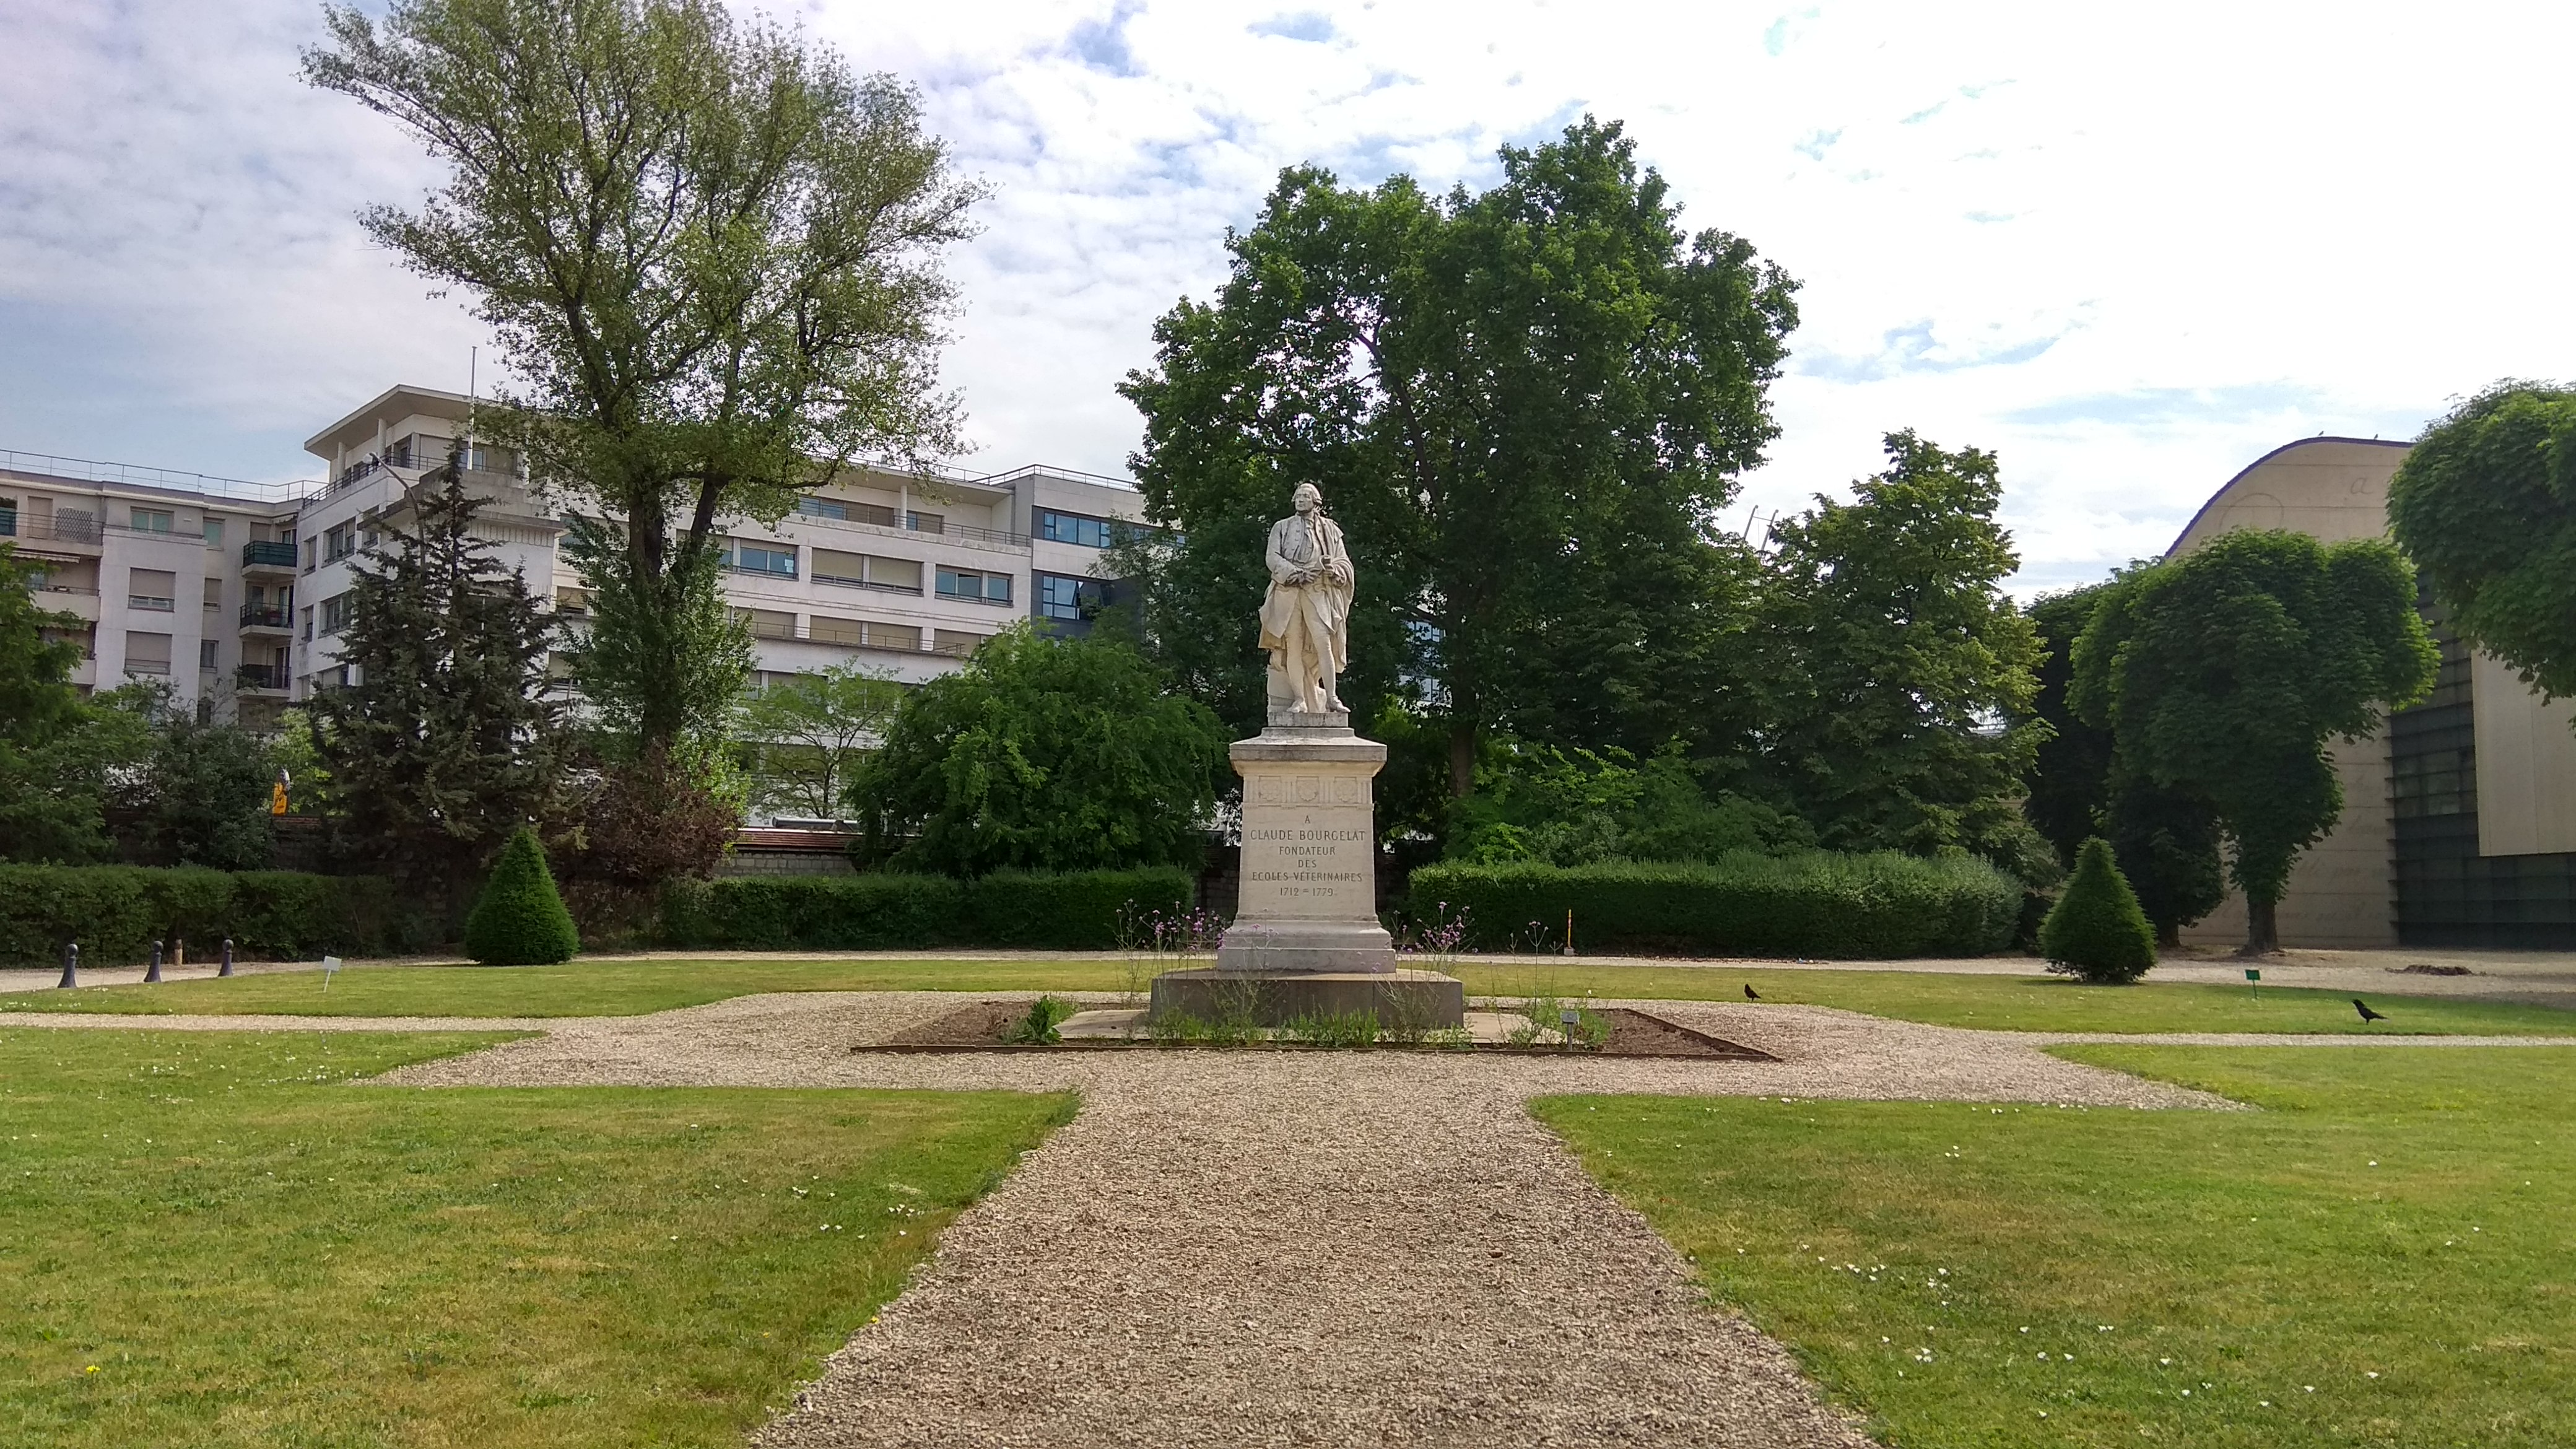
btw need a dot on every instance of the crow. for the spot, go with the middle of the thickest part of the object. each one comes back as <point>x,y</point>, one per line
<point>2367,1015</point>
<point>1750,994</point>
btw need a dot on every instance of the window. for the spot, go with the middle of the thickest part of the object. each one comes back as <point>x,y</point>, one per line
<point>8,517</point>
<point>151,520</point>
<point>214,593</point>
<point>824,629</point>
<point>768,623</point>
<point>926,522</point>
<point>310,545</point>
<point>339,543</point>
<point>867,571</point>
<point>1061,596</point>
<point>154,589</point>
<point>147,653</point>
<point>214,533</point>
<point>308,622</point>
<point>906,637</point>
<point>205,656</point>
<point>813,507</point>
<point>1074,528</point>
<point>335,614</point>
<point>777,560</point>
<point>956,643</point>
<point>969,584</point>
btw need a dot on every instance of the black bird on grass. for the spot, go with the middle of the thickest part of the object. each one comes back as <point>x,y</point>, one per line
<point>1750,994</point>
<point>2367,1015</point>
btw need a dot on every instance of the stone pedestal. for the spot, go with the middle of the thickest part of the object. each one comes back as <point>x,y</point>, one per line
<point>1306,939</point>
<point>1308,900</point>
<point>1423,1000</point>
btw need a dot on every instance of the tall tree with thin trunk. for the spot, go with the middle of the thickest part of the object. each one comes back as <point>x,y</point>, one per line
<point>708,249</point>
<point>2228,669</point>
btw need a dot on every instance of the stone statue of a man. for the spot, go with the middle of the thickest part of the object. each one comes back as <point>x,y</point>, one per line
<point>1305,618</point>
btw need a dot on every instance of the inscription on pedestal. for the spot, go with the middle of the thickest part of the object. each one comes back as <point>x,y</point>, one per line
<point>1309,847</point>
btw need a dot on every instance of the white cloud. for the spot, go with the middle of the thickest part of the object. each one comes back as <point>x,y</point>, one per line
<point>2130,251</point>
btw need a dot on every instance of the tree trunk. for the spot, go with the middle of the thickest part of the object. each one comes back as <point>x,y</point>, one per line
<point>2262,928</point>
<point>1462,760</point>
<point>2168,935</point>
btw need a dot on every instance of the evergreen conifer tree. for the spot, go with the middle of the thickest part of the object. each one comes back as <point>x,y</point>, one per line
<point>448,735</point>
<point>521,921</point>
<point>2096,930</point>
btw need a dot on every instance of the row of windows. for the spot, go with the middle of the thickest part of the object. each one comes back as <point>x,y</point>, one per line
<point>1079,528</point>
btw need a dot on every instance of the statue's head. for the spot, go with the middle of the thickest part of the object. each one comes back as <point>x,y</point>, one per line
<point>1308,498</point>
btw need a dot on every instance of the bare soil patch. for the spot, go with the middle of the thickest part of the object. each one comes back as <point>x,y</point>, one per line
<point>983,1026</point>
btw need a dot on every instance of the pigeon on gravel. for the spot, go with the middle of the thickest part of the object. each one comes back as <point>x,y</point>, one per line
<point>1750,994</point>
<point>2367,1015</point>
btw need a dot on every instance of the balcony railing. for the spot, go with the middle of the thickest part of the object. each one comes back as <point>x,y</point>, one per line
<point>268,553</point>
<point>61,528</point>
<point>260,676</point>
<point>841,636</point>
<point>265,616</point>
<point>881,519</point>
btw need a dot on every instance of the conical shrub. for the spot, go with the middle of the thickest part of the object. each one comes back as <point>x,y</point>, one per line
<point>520,921</point>
<point>2096,930</point>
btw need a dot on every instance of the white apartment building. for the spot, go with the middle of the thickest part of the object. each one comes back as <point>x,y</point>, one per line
<point>170,576</point>
<point>237,593</point>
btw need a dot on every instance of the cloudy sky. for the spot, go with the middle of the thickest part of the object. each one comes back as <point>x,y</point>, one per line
<point>2129,248</point>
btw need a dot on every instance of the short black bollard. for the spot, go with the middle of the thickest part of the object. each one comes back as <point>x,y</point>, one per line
<point>228,957</point>
<point>71,966</point>
<point>154,975</point>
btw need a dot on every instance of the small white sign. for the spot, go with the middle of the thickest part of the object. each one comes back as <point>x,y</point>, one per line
<point>329,965</point>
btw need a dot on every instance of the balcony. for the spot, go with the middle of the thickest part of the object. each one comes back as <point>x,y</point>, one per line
<point>84,529</point>
<point>260,678</point>
<point>269,553</point>
<point>270,618</point>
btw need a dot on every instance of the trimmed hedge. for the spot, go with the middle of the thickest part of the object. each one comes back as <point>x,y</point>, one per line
<point>1074,911</point>
<point>1816,904</point>
<point>116,912</point>
<point>520,920</point>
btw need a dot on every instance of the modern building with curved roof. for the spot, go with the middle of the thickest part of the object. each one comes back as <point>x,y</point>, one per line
<point>2459,818</point>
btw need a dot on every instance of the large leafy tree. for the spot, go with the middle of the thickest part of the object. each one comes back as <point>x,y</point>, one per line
<point>56,752</point>
<point>2070,770</point>
<point>709,252</point>
<point>2228,669</point>
<point>2165,837</point>
<point>2485,505</point>
<point>197,792</point>
<point>1898,674</point>
<point>450,735</point>
<point>1526,405</point>
<point>1044,752</point>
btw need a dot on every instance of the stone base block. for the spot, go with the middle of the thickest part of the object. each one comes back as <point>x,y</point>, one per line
<point>1280,946</point>
<point>1424,999</point>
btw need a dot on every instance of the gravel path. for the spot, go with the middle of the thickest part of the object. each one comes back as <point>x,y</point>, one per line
<point>1250,1248</point>
<point>1302,1249</point>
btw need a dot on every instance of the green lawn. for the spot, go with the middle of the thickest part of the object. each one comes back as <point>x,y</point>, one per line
<point>2385,1255</point>
<point>624,988</point>
<point>209,1239</point>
